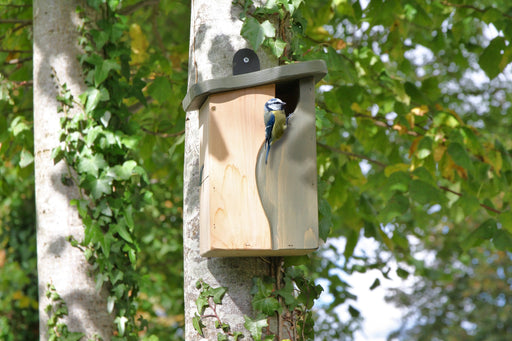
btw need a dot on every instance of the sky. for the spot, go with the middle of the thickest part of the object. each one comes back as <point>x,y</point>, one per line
<point>380,317</point>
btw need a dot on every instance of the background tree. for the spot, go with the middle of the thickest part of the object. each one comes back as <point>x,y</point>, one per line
<point>413,150</point>
<point>60,264</point>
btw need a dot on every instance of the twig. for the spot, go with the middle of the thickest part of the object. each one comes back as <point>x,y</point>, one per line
<point>18,61</point>
<point>16,51</point>
<point>15,21</point>
<point>339,151</point>
<point>164,135</point>
<point>444,188</point>
<point>132,8</point>
<point>481,10</point>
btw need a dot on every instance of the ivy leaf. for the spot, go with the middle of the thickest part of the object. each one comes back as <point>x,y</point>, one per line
<point>97,187</point>
<point>122,172</point>
<point>123,232</point>
<point>287,292</point>
<point>26,158</point>
<point>121,324</point>
<point>267,305</point>
<point>91,164</point>
<point>255,326</point>
<point>102,70</point>
<point>91,97</point>
<point>72,336</point>
<point>198,324</point>
<point>217,294</point>
<point>277,46</point>
<point>202,303</point>
<point>256,33</point>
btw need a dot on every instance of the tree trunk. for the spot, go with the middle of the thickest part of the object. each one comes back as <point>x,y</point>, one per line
<point>214,39</point>
<point>55,54</point>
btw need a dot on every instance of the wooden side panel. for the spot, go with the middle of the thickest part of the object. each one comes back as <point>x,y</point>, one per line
<point>288,183</point>
<point>232,216</point>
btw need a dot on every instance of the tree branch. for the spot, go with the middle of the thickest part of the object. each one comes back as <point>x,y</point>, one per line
<point>17,61</point>
<point>16,51</point>
<point>164,135</point>
<point>15,21</point>
<point>339,151</point>
<point>481,10</point>
<point>132,8</point>
<point>444,188</point>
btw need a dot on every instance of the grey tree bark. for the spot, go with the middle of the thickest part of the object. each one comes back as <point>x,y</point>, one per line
<point>214,39</point>
<point>55,54</point>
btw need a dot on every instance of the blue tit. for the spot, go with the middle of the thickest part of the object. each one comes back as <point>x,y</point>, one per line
<point>275,122</point>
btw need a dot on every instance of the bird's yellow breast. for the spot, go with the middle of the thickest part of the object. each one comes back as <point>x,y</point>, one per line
<point>279,124</point>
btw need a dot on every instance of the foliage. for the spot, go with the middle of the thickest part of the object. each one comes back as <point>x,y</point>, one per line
<point>461,298</point>
<point>413,147</point>
<point>18,281</point>
<point>291,298</point>
<point>410,126</point>
<point>57,309</point>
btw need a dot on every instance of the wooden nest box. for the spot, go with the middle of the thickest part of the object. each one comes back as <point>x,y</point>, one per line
<point>249,207</point>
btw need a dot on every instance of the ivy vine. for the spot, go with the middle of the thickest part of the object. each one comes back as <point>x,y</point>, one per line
<point>97,141</point>
<point>56,310</point>
<point>289,296</point>
<point>273,26</point>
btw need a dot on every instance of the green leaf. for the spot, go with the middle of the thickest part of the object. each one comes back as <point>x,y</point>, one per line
<point>18,126</point>
<point>101,71</point>
<point>160,89</point>
<point>198,324</point>
<point>256,33</point>
<point>123,232</point>
<point>424,193</point>
<point>91,164</point>
<point>482,233</point>
<point>202,303</point>
<point>490,59</point>
<point>97,187</point>
<point>91,97</point>
<point>123,172</point>
<point>460,156</point>
<point>375,284</point>
<point>395,207</point>
<point>255,326</point>
<point>26,158</point>
<point>402,273</point>
<point>217,294</point>
<point>502,240</point>
<point>277,46</point>
<point>72,336</point>
<point>353,311</point>
<point>267,305</point>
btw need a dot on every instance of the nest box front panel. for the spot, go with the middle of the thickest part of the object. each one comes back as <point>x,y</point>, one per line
<point>232,216</point>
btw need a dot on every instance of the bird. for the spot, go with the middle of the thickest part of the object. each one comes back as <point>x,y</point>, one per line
<point>276,122</point>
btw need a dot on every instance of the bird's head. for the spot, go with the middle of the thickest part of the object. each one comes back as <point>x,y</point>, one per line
<point>274,104</point>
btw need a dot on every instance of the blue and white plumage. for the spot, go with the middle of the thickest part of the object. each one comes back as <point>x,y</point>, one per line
<point>276,122</point>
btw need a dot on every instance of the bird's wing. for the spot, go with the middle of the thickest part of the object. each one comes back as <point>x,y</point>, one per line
<point>269,124</point>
